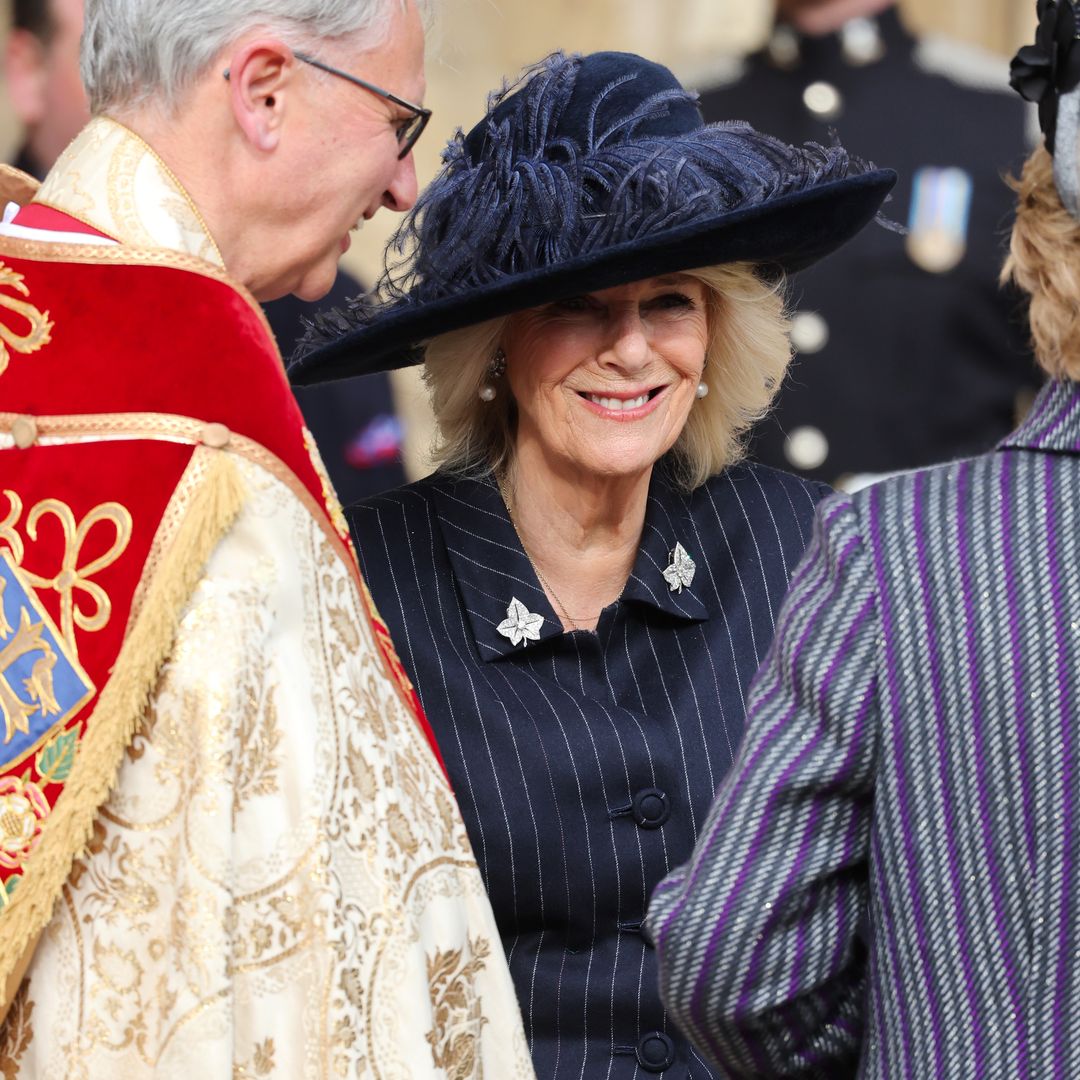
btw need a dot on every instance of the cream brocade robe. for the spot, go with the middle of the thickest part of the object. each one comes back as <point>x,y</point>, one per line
<point>280,885</point>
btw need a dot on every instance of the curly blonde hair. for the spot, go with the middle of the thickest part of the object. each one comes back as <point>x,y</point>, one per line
<point>745,361</point>
<point>1044,261</point>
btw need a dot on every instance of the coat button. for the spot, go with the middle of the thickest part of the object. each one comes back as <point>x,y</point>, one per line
<point>806,448</point>
<point>655,1052</point>
<point>651,808</point>
<point>809,332</point>
<point>823,100</point>
<point>24,431</point>
<point>216,436</point>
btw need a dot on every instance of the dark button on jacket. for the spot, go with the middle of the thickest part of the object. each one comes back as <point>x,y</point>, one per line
<point>584,763</point>
<point>651,808</point>
<point>656,1052</point>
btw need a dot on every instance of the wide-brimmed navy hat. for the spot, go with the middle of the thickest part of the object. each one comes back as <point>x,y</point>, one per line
<point>590,172</point>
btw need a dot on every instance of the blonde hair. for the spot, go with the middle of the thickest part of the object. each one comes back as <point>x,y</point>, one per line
<point>745,360</point>
<point>1044,261</point>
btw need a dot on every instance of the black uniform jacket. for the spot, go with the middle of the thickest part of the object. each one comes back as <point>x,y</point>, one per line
<point>901,363</point>
<point>584,763</point>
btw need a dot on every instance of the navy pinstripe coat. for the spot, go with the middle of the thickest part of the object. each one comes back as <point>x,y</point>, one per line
<point>585,763</point>
<point>911,764</point>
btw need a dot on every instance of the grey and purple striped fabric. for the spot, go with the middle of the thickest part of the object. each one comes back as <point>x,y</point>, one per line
<point>888,884</point>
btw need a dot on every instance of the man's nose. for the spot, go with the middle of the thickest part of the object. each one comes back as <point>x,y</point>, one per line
<point>401,194</point>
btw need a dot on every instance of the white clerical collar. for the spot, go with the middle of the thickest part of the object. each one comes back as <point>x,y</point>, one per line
<point>112,180</point>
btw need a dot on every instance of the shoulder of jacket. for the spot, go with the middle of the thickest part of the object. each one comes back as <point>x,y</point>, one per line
<point>404,501</point>
<point>974,68</point>
<point>964,64</point>
<point>776,485</point>
<point>900,489</point>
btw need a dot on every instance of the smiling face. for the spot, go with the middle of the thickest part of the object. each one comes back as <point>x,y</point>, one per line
<point>604,382</point>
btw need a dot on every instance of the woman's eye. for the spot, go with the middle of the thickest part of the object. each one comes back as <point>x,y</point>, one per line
<point>673,300</point>
<point>573,304</point>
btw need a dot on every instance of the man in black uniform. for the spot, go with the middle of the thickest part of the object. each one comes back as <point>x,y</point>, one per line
<point>908,352</point>
<point>354,424</point>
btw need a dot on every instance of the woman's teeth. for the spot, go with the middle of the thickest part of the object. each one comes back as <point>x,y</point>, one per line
<point>618,404</point>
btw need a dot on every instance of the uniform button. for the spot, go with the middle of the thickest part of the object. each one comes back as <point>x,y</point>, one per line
<point>24,431</point>
<point>806,448</point>
<point>651,808</point>
<point>809,332</point>
<point>823,100</point>
<point>861,42</point>
<point>216,436</point>
<point>655,1052</point>
<point>784,47</point>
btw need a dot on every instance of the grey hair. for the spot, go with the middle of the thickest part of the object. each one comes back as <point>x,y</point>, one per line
<point>139,50</point>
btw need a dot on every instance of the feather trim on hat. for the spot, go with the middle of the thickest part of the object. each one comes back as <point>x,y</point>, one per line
<point>514,197</point>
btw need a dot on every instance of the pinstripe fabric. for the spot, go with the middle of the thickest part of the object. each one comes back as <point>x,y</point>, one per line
<point>887,882</point>
<point>554,746</point>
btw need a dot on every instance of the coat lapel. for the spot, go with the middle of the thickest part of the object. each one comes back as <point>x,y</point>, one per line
<point>493,571</point>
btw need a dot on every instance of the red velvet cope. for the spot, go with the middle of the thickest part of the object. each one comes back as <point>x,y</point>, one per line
<point>152,339</point>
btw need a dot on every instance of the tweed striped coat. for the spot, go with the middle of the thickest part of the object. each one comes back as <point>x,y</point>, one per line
<point>888,884</point>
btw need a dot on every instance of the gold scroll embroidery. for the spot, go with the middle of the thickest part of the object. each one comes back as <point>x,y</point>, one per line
<point>17,1032</point>
<point>40,326</point>
<point>261,1064</point>
<point>71,576</point>
<point>459,1013</point>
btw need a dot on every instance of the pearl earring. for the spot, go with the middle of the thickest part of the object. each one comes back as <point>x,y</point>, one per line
<point>702,389</point>
<point>496,370</point>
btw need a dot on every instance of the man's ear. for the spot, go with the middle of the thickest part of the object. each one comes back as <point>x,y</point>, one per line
<point>24,68</point>
<point>260,75</point>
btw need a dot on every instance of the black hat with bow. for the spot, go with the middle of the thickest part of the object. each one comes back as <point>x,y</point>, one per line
<point>1048,73</point>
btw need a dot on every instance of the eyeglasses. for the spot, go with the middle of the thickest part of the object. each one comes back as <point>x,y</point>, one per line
<point>409,131</point>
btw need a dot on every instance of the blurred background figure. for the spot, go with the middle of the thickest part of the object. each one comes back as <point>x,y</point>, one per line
<point>354,423</point>
<point>908,352</point>
<point>42,67</point>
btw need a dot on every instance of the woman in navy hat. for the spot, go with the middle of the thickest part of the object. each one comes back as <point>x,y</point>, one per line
<point>585,587</point>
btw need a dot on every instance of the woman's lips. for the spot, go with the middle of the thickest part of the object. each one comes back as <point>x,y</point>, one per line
<point>622,406</point>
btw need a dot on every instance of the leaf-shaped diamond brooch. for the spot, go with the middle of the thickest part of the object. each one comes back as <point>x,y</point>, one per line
<point>680,572</point>
<point>520,623</point>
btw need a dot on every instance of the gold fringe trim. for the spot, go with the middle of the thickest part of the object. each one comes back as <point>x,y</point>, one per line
<point>121,707</point>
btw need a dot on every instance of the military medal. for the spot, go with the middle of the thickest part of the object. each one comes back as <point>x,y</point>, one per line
<point>938,221</point>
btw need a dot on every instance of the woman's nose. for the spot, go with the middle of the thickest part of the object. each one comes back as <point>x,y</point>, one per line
<point>629,346</point>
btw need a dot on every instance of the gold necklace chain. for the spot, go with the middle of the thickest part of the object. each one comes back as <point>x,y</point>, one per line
<point>575,623</point>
